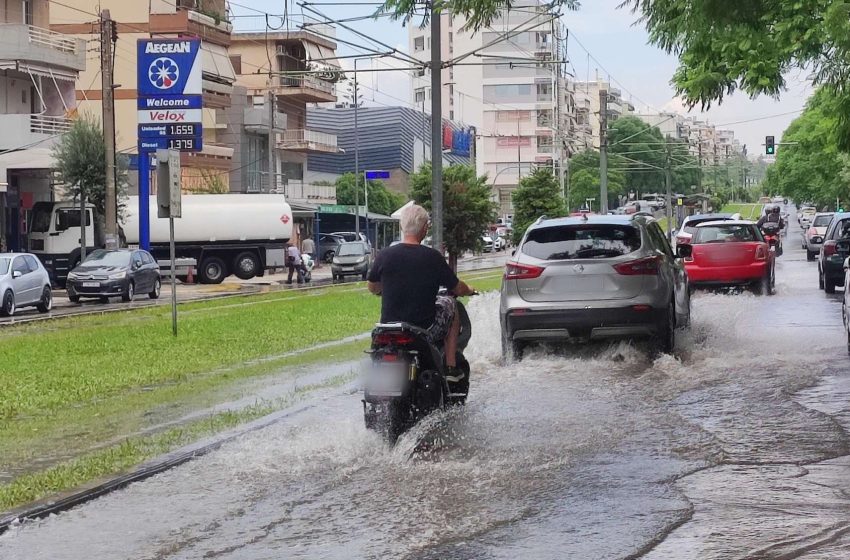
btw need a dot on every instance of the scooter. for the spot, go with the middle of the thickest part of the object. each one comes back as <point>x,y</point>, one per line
<point>772,236</point>
<point>406,377</point>
<point>308,263</point>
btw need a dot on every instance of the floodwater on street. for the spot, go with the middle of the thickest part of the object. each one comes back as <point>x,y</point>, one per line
<point>737,447</point>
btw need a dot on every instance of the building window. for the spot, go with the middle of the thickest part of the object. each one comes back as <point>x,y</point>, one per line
<point>27,10</point>
<point>544,117</point>
<point>419,43</point>
<point>236,61</point>
<point>419,95</point>
<point>506,91</point>
<point>451,115</point>
<point>292,171</point>
<point>544,92</point>
<point>420,72</point>
<point>258,101</point>
<point>544,144</point>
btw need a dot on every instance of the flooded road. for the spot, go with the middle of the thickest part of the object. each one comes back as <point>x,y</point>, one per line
<point>736,447</point>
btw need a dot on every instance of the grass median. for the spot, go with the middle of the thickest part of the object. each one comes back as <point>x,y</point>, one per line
<point>747,211</point>
<point>76,389</point>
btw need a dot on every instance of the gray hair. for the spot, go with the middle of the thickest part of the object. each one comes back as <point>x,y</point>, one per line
<point>413,220</point>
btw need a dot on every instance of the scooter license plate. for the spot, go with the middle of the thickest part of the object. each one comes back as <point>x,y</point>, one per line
<point>386,379</point>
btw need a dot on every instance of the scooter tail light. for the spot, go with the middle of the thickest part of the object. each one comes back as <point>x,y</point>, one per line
<point>516,271</point>
<point>393,338</point>
<point>646,266</point>
<point>830,248</point>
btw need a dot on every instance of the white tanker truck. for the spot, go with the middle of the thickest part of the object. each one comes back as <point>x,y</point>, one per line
<point>241,234</point>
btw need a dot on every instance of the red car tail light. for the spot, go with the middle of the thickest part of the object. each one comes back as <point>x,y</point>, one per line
<point>516,271</point>
<point>645,266</point>
<point>830,248</point>
<point>393,338</point>
<point>761,253</point>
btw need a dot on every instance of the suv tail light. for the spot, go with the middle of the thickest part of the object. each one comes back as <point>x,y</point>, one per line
<point>516,271</point>
<point>761,253</point>
<point>393,338</point>
<point>645,266</point>
<point>830,248</point>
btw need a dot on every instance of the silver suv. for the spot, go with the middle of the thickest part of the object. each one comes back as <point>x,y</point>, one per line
<point>594,277</point>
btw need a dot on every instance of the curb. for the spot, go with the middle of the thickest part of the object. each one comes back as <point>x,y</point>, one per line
<point>68,500</point>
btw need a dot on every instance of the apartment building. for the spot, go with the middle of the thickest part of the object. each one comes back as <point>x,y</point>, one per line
<point>588,103</point>
<point>508,82</point>
<point>37,97</point>
<point>205,19</point>
<point>303,73</point>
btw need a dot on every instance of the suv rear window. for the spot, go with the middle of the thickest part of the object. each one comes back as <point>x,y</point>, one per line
<point>822,221</point>
<point>586,241</point>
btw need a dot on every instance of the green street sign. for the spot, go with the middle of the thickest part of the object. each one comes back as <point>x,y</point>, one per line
<point>333,208</point>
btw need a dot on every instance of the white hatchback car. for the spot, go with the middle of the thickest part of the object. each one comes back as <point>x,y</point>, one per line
<point>24,282</point>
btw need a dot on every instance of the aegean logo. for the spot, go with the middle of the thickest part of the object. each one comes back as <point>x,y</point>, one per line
<point>163,73</point>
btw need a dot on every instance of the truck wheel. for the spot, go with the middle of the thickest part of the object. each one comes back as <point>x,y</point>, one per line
<point>212,271</point>
<point>246,265</point>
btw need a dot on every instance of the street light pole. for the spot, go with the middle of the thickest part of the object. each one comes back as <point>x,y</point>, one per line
<point>356,154</point>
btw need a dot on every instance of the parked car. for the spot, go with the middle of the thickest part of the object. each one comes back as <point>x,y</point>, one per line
<point>112,273</point>
<point>835,249</point>
<point>806,215</point>
<point>813,237</point>
<point>24,282</point>
<point>731,253</point>
<point>353,259</point>
<point>690,223</point>
<point>329,246</point>
<point>486,243</point>
<point>499,243</point>
<point>593,277</point>
<point>845,304</point>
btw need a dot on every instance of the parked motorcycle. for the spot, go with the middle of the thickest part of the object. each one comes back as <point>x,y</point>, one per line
<point>406,377</point>
<point>772,236</point>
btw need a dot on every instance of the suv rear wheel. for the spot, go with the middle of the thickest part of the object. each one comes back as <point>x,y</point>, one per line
<point>512,350</point>
<point>664,341</point>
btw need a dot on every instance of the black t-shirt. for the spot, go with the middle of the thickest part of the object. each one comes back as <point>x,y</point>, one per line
<point>411,276</point>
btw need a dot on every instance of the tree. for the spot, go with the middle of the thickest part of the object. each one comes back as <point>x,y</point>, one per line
<point>726,45</point>
<point>584,179</point>
<point>80,158</point>
<point>477,13</point>
<point>381,200</point>
<point>467,208</point>
<point>813,169</point>
<point>538,194</point>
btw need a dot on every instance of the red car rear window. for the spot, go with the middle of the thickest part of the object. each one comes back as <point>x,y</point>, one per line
<point>726,234</point>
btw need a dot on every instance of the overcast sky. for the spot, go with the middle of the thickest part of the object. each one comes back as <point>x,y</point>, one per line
<point>620,48</point>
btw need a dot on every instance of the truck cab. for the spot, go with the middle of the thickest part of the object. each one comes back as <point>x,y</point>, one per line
<point>54,236</point>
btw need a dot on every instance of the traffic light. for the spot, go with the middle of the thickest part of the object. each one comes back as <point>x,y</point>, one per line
<point>769,145</point>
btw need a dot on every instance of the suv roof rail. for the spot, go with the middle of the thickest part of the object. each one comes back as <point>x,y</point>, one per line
<point>540,219</point>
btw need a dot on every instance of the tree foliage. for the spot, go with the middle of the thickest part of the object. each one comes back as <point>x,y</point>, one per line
<point>467,208</point>
<point>80,158</point>
<point>584,180</point>
<point>538,194</point>
<point>381,200</point>
<point>644,154</point>
<point>813,169</point>
<point>727,45</point>
<point>477,13</point>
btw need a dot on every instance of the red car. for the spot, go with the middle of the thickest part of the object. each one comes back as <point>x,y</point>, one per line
<point>731,253</point>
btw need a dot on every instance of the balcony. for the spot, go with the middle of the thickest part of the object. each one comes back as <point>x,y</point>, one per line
<point>43,49</point>
<point>299,191</point>
<point>306,89</point>
<point>193,23</point>
<point>257,120</point>
<point>24,129</point>
<point>308,141</point>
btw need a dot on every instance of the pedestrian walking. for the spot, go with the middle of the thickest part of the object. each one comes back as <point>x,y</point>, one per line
<point>294,263</point>
<point>308,246</point>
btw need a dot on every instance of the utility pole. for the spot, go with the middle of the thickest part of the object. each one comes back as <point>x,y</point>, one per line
<point>356,154</point>
<point>603,151</point>
<point>668,180</point>
<point>272,166</point>
<point>436,131</point>
<point>107,32</point>
<point>699,162</point>
<point>83,223</point>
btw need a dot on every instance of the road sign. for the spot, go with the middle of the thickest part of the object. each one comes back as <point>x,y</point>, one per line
<point>373,175</point>
<point>334,208</point>
<point>170,103</point>
<point>168,183</point>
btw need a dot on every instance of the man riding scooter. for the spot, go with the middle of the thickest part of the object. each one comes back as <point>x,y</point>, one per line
<point>408,277</point>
